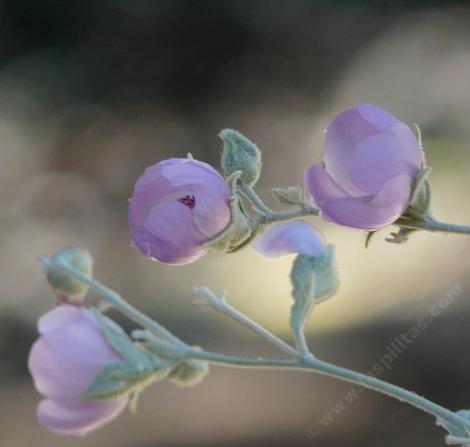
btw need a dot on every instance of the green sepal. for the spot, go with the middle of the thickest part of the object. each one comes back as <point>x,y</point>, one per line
<point>420,200</point>
<point>120,341</point>
<point>369,237</point>
<point>418,209</point>
<point>418,134</point>
<point>240,231</point>
<point>314,279</point>
<point>159,346</point>
<point>118,379</point>
<point>401,236</point>
<point>138,370</point>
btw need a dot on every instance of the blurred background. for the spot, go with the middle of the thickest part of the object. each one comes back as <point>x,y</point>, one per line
<point>91,92</point>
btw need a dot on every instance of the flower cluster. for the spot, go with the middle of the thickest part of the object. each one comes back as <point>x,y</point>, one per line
<point>370,164</point>
<point>89,370</point>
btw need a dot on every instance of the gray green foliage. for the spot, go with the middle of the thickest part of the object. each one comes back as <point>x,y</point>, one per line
<point>313,280</point>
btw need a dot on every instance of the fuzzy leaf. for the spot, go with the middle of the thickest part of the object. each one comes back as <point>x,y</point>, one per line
<point>313,280</point>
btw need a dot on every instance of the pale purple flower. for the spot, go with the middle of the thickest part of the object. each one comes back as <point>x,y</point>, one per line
<point>285,238</point>
<point>177,206</point>
<point>369,165</point>
<point>64,362</point>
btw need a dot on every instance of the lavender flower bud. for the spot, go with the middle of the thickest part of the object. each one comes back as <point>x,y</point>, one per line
<point>189,372</point>
<point>370,163</point>
<point>67,288</point>
<point>70,352</point>
<point>178,205</point>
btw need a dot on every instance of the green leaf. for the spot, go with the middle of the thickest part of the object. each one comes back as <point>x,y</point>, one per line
<point>326,275</point>
<point>313,280</point>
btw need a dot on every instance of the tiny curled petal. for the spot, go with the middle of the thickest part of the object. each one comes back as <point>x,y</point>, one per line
<point>290,237</point>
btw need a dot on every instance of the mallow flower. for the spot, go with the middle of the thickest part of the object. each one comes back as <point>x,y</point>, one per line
<point>370,163</point>
<point>64,362</point>
<point>294,236</point>
<point>178,205</point>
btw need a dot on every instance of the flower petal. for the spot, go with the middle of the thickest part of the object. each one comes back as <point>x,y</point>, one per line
<point>177,205</point>
<point>180,172</point>
<point>386,207</point>
<point>169,234</point>
<point>376,116</point>
<point>212,211</point>
<point>378,158</point>
<point>347,130</point>
<point>83,343</point>
<point>322,187</point>
<point>78,418</point>
<point>57,318</point>
<point>290,237</point>
<point>57,377</point>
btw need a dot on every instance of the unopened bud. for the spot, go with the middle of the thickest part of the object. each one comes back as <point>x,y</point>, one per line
<point>189,372</point>
<point>240,154</point>
<point>66,287</point>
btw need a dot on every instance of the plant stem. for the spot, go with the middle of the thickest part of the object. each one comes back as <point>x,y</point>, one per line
<point>427,223</point>
<point>301,343</point>
<point>114,299</point>
<point>219,304</point>
<point>279,216</point>
<point>320,367</point>
<point>266,215</point>
<point>430,224</point>
<point>255,199</point>
<point>454,440</point>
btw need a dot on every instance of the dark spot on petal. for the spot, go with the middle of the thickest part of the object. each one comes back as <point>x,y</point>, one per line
<point>189,201</point>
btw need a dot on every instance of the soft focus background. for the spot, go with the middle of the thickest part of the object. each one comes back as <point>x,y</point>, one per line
<point>93,91</point>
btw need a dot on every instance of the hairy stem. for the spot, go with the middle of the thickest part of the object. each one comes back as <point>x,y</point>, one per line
<point>219,304</point>
<point>427,223</point>
<point>266,215</point>
<point>114,299</point>
<point>256,200</point>
<point>301,342</point>
<point>430,224</point>
<point>320,367</point>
